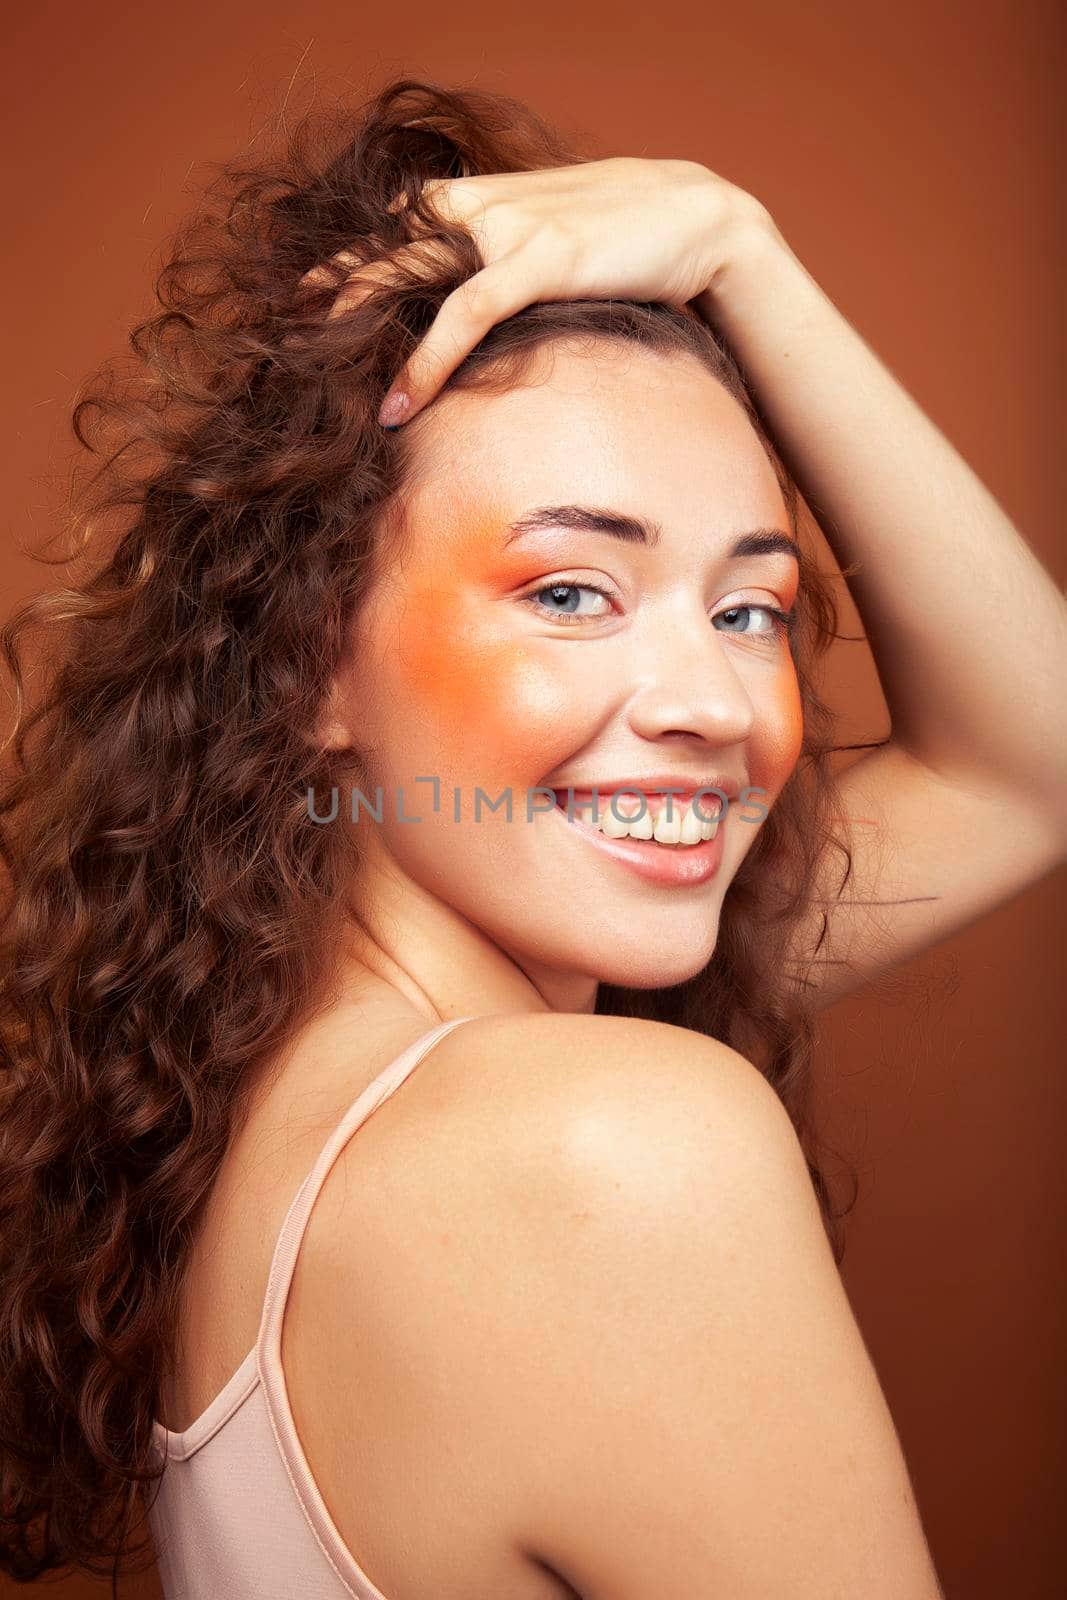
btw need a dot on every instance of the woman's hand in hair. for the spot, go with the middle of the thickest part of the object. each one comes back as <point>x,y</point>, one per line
<point>623,228</point>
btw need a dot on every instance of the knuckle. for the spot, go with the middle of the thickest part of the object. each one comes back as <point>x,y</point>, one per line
<point>638,171</point>
<point>446,194</point>
<point>686,168</point>
<point>556,257</point>
<point>558,234</point>
<point>440,349</point>
<point>570,251</point>
<point>480,296</point>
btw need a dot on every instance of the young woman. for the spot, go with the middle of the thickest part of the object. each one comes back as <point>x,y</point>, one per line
<point>306,803</point>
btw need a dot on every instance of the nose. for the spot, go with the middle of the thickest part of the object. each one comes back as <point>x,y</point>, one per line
<point>687,684</point>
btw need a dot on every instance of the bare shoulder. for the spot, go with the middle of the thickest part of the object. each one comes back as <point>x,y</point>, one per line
<point>621,1115</point>
<point>438,1275</point>
<point>562,1087</point>
<point>608,1327</point>
<point>657,1293</point>
<point>648,1129</point>
<point>567,1060</point>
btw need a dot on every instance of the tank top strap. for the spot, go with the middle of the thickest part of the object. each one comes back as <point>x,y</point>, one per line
<point>283,1262</point>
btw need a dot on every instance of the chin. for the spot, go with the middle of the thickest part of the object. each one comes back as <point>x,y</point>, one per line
<point>661,969</point>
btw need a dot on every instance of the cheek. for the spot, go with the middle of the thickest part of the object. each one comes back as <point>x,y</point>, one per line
<point>779,732</point>
<point>495,708</point>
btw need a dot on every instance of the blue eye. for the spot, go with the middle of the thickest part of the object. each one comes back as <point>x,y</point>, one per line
<point>782,623</point>
<point>568,590</point>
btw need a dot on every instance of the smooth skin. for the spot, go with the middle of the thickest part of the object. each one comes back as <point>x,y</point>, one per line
<point>677,1397</point>
<point>668,1360</point>
<point>566,658</point>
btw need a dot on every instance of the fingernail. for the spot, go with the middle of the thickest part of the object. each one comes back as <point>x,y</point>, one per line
<point>394,408</point>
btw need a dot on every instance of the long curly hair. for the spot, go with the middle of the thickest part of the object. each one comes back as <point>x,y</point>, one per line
<point>168,914</point>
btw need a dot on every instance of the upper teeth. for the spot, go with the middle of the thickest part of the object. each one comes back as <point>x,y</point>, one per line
<point>683,827</point>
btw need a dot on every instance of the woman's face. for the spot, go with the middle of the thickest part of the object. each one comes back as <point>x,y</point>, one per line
<point>674,671</point>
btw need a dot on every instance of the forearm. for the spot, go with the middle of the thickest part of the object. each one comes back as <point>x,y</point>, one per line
<point>968,630</point>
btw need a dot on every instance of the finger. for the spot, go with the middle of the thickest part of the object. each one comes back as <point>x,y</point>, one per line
<point>446,198</point>
<point>323,275</point>
<point>436,190</point>
<point>356,288</point>
<point>378,271</point>
<point>466,315</point>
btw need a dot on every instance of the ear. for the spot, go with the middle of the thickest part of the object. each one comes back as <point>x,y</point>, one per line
<point>332,731</point>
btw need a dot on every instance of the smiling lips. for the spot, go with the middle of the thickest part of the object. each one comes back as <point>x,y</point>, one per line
<point>668,819</point>
<point>666,855</point>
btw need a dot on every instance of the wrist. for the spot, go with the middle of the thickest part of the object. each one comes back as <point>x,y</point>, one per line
<point>750,249</point>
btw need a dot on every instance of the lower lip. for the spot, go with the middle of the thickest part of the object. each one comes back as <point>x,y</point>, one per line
<point>674,865</point>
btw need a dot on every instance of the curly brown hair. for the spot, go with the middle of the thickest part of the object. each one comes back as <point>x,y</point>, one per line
<point>169,915</point>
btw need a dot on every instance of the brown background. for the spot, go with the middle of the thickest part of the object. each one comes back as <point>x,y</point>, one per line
<point>909,153</point>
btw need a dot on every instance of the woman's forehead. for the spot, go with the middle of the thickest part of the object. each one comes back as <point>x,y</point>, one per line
<point>605,436</point>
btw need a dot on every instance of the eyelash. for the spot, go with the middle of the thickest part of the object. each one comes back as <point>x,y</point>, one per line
<point>783,620</point>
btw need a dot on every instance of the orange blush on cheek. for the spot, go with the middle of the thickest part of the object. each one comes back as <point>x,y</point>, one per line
<point>492,693</point>
<point>783,736</point>
<point>491,697</point>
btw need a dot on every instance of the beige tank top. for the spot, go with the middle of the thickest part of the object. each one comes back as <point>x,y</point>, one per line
<point>237,1515</point>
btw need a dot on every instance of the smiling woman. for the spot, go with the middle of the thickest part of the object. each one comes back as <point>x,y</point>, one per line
<point>477,678</point>
<point>207,991</point>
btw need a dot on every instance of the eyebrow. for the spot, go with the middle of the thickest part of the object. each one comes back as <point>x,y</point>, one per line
<point>637,530</point>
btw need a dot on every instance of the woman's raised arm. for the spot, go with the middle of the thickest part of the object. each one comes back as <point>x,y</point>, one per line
<point>966,803</point>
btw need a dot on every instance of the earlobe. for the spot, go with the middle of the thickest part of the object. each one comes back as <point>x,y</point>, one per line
<point>331,732</point>
<point>334,735</point>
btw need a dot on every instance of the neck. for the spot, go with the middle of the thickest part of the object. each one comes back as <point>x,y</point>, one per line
<point>439,963</point>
